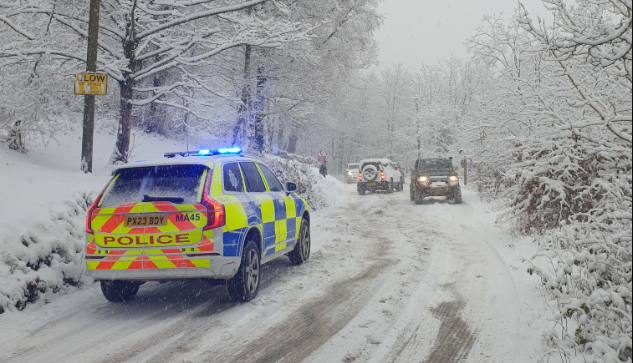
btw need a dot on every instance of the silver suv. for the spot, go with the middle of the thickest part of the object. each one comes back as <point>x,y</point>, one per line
<point>351,173</point>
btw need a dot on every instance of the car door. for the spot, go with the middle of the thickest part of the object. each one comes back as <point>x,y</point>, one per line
<point>239,212</point>
<point>285,212</point>
<point>393,173</point>
<point>261,201</point>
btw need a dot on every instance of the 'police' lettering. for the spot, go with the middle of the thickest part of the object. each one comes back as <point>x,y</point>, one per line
<point>159,239</point>
<point>182,238</point>
<point>127,243</point>
<point>138,240</point>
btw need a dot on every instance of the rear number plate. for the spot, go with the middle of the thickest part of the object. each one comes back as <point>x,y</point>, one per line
<point>146,220</point>
<point>372,184</point>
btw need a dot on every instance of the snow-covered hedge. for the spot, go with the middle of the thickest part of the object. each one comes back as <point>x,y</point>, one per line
<point>318,191</point>
<point>45,259</point>
<point>576,198</point>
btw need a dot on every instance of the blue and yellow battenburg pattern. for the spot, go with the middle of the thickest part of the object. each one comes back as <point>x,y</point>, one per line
<point>277,215</point>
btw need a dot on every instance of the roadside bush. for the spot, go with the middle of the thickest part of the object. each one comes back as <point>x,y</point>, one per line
<point>576,198</point>
<point>47,259</point>
<point>318,191</point>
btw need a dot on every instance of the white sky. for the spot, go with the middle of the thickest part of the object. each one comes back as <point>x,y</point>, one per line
<point>432,30</point>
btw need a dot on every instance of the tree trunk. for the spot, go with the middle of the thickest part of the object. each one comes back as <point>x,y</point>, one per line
<point>258,141</point>
<point>122,147</point>
<point>239,133</point>
<point>121,150</point>
<point>292,143</point>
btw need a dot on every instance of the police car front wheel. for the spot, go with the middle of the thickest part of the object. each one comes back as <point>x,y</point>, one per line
<point>119,291</point>
<point>245,284</point>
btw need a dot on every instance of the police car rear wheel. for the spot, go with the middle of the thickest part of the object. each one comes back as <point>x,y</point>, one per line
<point>119,291</point>
<point>301,253</point>
<point>245,284</point>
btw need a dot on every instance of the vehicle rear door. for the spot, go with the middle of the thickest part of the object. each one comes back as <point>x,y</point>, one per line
<point>286,219</point>
<point>150,216</point>
<point>240,212</point>
<point>261,201</point>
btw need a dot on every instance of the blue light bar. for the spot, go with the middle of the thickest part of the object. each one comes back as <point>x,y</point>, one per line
<point>206,152</point>
<point>231,150</point>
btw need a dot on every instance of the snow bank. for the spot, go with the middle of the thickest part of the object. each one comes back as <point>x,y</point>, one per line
<point>46,258</point>
<point>318,191</point>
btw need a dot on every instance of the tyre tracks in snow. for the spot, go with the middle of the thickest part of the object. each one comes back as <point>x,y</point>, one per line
<point>307,328</point>
<point>388,281</point>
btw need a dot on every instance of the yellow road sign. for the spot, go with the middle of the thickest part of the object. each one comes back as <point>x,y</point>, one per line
<point>91,84</point>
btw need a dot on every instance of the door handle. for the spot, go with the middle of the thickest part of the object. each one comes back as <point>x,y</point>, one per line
<point>258,204</point>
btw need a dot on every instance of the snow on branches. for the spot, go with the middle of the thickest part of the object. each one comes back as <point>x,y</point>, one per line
<point>569,85</point>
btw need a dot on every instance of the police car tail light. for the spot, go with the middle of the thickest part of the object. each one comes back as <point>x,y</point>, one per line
<point>216,215</point>
<point>94,206</point>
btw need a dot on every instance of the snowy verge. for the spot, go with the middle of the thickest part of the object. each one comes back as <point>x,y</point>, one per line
<point>46,259</point>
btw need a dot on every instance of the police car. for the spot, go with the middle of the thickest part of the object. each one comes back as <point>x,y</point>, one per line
<point>214,215</point>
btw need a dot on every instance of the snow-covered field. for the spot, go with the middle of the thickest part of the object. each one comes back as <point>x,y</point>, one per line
<point>388,281</point>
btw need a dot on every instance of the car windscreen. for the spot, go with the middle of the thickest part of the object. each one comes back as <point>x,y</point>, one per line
<point>179,184</point>
<point>353,166</point>
<point>435,164</point>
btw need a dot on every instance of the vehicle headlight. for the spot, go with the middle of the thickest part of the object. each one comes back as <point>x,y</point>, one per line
<point>349,173</point>
<point>453,178</point>
<point>423,179</point>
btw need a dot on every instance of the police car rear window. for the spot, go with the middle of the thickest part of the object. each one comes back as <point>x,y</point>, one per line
<point>179,184</point>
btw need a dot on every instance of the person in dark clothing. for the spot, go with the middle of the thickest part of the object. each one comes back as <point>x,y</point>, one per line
<point>323,169</point>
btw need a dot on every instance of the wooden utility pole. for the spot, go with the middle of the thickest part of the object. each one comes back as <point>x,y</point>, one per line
<point>89,100</point>
<point>465,171</point>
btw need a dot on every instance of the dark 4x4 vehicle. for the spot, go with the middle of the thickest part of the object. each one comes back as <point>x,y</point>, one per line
<point>435,177</point>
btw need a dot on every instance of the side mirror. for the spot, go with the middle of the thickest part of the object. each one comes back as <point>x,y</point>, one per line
<point>291,187</point>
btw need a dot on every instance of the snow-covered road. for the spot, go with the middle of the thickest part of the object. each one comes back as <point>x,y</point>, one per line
<point>388,281</point>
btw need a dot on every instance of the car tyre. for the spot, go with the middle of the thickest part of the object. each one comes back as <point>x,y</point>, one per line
<point>457,196</point>
<point>390,186</point>
<point>301,253</point>
<point>119,290</point>
<point>411,194</point>
<point>244,285</point>
<point>419,197</point>
<point>361,189</point>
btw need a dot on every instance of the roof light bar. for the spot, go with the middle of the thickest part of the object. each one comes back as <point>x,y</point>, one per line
<point>205,152</point>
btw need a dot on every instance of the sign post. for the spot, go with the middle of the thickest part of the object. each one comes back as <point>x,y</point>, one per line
<point>464,164</point>
<point>89,98</point>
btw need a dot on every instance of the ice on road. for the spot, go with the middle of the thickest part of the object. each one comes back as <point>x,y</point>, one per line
<point>388,281</point>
